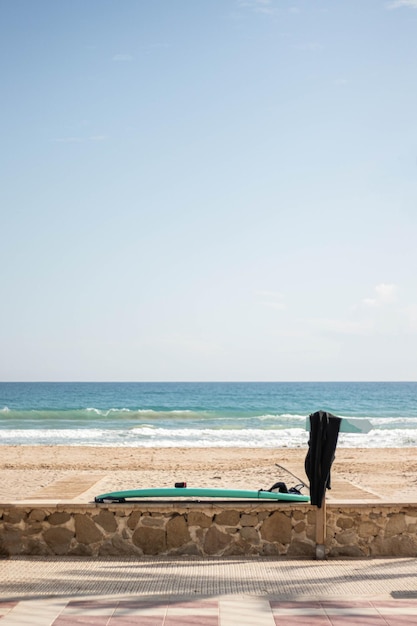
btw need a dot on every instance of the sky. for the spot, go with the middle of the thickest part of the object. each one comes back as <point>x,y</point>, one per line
<point>208,190</point>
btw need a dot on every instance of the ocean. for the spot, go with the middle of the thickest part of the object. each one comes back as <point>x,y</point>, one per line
<point>240,414</point>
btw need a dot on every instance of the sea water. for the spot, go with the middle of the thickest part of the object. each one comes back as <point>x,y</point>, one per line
<point>241,414</point>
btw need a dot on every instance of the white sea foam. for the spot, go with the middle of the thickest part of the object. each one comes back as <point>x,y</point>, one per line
<point>390,422</point>
<point>206,437</point>
<point>152,436</point>
<point>282,416</point>
<point>106,412</point>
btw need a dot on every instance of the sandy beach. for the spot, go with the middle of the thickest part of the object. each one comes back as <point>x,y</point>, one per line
<point>32,470</point>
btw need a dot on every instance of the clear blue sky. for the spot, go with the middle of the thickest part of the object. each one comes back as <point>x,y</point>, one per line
<point>208,190</point>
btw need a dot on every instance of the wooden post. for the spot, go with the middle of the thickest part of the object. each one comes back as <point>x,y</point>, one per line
<point>321,530</point>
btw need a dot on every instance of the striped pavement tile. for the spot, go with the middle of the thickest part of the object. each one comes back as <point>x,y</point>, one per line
<point>232,611</point>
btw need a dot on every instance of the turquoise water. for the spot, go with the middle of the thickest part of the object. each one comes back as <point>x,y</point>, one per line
<point>201,414</point>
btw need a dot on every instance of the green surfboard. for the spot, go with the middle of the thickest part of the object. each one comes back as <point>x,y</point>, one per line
<point>200,492</point>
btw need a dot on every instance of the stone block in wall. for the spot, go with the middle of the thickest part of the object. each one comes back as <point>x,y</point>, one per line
<point>227,518</point>
<point>58,539</point>
<point>298,515</point>
<point>344,522</point>
<point>277,528</point>
<point>37,515</point>
<point>177,532</point>
<point>301,549</point>
<point>396,525</point>
<point>85,530</point>
<point>197,518</point>
<point>59,517</point>
<point>311,515</point>
<point>11,542</point>
<point>250,534</point>
<point>150,540</point>
<point>249,520</point>
<point>367,530</point>
<point>107,520</point>
<point>133,520</point>
<point>156,522</point>
<point>215,542</point>
<point>14,516</point>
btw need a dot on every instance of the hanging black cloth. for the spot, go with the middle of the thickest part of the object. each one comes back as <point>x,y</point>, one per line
<point>324,431</point>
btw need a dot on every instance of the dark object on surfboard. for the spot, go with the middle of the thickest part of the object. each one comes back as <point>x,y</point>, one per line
<point>324,432</point>
<point>290,495</point>
<point>282,488</point>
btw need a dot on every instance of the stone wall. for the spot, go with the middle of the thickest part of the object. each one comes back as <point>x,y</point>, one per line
<point>206,529</point>
<point>372,530</point>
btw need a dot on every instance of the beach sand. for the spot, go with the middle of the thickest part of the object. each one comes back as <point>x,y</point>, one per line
<point>32,471</point>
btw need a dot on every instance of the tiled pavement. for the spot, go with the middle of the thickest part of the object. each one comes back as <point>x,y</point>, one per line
<point>207,592</point>
<point>208,612</point>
